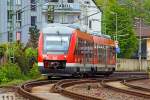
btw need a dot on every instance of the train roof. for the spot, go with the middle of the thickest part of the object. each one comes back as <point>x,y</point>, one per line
<point>57,28</point>
<point>68,29</point>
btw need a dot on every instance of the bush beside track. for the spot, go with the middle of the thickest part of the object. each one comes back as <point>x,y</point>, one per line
<point>20,69</point>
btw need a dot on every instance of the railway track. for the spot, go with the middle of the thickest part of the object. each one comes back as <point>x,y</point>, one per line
<point>26,88</point>
<point>123,86</point>
<point>61,87</point>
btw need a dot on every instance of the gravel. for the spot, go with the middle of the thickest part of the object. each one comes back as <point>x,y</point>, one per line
<point>96,90</point>
<point>142,83</point>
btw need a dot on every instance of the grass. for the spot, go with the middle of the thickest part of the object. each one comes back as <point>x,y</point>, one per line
<point>17,82</point>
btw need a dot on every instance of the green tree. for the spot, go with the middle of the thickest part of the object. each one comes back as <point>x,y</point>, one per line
<point>126,35</point>
<point>138,8</point>
<point>34,34</point>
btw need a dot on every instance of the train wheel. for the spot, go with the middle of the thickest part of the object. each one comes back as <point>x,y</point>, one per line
<point>49,77</point>
<point>86,75</point>
<point>76,75</point>
<point>106,75</point>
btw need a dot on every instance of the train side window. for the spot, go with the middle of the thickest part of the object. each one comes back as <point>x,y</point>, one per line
<point>88,52</point>
<point>112,54</point>
<point>99,50</point>
<point>102,49</point>
<point>104,54</point>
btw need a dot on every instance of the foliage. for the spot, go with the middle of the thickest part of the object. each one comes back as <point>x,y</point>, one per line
<point>14,82</point>
<point>22,62</point>
<point>22,56</point>
<point>34,71</point>
<point>125,33</point>
<point>31,55</point>
<point>9,72</point>
<point>139,8</point>
<point>3,48</point>
<point>34,34</point>
<point>30,52</point>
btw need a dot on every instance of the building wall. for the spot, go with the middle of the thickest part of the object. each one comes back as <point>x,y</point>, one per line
<point>148,49</point>
<point>71,14</point>
<point>3,21</point>
<point>83,12</point>
<point>26,18</point>
<point>95,19</point>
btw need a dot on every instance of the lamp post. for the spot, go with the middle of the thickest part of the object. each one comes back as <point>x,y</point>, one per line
<point>116,29</point>
<point>140,51</point>
<point>139,25</point>
<point>116,34</point>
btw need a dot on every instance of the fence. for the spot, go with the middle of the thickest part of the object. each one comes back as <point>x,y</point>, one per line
<point>132,65</point>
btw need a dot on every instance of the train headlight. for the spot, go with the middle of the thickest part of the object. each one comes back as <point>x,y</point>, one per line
<point>44,56</point>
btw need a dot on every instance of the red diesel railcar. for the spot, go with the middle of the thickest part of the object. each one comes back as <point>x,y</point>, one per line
<point>66,51</point>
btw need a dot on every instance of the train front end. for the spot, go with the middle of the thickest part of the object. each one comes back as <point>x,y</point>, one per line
<point>53,50</point>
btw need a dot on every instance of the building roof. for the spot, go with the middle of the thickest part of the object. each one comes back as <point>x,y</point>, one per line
<point>145,30</point>
<point>97,5</point>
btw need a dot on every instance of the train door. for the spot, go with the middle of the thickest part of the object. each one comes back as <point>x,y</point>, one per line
<point>105,55</point>
<point>95,54</point>
<point>78,51</point>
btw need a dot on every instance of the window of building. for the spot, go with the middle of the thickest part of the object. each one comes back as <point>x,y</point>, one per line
<point>18,24</point>
<point>87,2</point>
<point>70,1</point>
<point>33,20</point>
<point>18,36</point>
<point>10,36</point>
<point>50,14</point>
<point>9,2</point>
<point>18,15</point>
<point>18,2</point>
<point>90,24</point>
<point>54,0</point>
<point>10,15</point>
<point>33,5</point>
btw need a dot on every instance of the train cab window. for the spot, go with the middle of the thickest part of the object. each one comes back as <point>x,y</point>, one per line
<point>56,44</point>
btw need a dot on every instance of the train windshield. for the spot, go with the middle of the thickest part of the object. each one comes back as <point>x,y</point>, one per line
<point>56,44</point>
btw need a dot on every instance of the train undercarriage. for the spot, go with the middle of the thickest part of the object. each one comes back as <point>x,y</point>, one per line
<point>61,68</point>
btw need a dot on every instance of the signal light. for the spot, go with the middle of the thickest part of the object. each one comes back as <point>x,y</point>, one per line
<point>46,63</point>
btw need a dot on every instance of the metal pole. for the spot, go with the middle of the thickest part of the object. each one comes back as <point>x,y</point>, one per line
<point>140,62</point>
<point>116,34</point>
<point>62,5</point>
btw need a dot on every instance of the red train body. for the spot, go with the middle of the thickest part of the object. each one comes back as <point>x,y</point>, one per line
<point>68,51</point>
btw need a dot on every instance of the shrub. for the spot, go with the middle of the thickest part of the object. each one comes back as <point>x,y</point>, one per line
<point>34,71</point>
<point>22,65</point>
<point>10,72</point>
<point>2,50</point>
<point>22,61</point>
<point>31,55</point>
<point>30,52</point>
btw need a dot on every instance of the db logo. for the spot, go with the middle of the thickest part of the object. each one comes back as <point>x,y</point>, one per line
<point>54,57</point>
